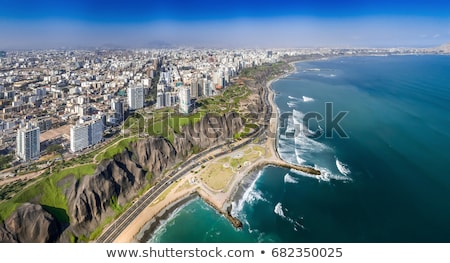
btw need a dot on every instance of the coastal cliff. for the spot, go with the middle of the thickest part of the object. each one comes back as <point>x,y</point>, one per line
<point>90,199</point>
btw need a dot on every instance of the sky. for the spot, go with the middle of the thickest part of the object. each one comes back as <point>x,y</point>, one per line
<point>32,24</point>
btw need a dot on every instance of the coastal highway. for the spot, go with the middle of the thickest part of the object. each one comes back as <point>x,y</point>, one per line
<point>119,225</point>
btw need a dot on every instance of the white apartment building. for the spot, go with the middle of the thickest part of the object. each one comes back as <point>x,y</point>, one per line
<point>85,134</point>
<point>135,98</point>
<point>185,100</point>
<point>28,145</point>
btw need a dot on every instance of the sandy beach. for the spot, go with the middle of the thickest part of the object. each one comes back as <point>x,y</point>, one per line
<point>193,183</point>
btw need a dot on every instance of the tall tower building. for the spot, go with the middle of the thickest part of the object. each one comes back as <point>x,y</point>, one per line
<point>79,137</point>
<point>85,134</point>
<point>117,107</point>
<point>185,100</point>
<point>160,100</point>
<point>194,88</point>
<point>135,98</point>
<point>28,145</point>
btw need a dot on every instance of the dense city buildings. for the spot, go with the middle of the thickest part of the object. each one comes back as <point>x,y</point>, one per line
<point>69,94</point>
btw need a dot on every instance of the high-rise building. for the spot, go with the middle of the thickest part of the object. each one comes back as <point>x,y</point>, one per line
<point>117,107</point>
<point>79,137</point>
<point>160,100</point>
<point>194,88</point>
<point>135,98</point>
<point>184,96</point>
<point>95,131</point>
<point>85,134</point>
<point>28,145</point>
<point>207,89</point>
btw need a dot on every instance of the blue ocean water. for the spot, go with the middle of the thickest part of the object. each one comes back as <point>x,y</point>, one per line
<point>388,180</point>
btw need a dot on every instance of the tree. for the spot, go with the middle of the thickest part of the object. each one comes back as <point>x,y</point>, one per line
<point>54,148</point>
<point>5,160</point>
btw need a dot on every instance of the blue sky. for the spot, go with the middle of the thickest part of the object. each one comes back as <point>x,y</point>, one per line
<point>133,23</point>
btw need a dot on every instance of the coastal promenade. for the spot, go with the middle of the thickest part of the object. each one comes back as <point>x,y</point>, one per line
<point>179,186</point>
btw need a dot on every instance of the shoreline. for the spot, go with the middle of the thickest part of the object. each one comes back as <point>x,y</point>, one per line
<point>153,217</point>
<point>159,219</point>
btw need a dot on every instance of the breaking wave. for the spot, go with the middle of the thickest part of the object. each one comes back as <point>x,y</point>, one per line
<point>291,104</point>
<point>250,196</point>
<point>305,144</point>
<point>342,167</point>
<point>290,179</point>
<point>307,99</point>
<point>325,175</point>
<point>279,210</point>
<point>302,99</point>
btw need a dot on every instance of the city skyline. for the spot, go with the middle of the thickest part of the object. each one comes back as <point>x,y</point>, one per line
<point>231,24</point>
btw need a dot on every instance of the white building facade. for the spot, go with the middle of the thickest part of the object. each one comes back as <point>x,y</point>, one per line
<point>28,146</point>
<point>185,100</point>
<point>86,134</point>
<point>135,98</point>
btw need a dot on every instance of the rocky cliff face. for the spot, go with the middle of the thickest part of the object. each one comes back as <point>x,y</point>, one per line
<point>89,198</point>
<point>30,223</point>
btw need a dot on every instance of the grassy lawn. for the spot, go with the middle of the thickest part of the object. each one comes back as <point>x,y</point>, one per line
<point>259,149</point>
<point>47,193</point>
<point>219,180</point>
<point>167,124</point>
<point>114,149</point>
<point>228,101</point>
<point>216,176</point>
<point>270,70</point>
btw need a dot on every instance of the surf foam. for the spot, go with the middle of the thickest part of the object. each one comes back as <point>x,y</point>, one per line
<point>290,179</point>
<point>307,99</point>
<point>342,167</point>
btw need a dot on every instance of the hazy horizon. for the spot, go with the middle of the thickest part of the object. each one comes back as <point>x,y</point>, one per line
<point>231,24</point>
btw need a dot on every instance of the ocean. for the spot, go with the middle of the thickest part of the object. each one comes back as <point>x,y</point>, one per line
<point>385,171</point>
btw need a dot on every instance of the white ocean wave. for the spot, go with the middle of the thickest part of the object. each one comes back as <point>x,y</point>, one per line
<point>250,196</point>
<point>279,210</point>
<point>325,175</point>
<point>293,150</point>
<point>298,159</point>
<point>307,99</point>
<point>342,167</point>
<point>255,196</point>
<point>297,116</point>
<point>328,175</point>
<point>326,75</point>
<point>317,177</point>
<point>290,179</point>
<point>306,144</point>
<point>291,104</point>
